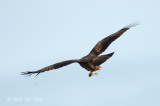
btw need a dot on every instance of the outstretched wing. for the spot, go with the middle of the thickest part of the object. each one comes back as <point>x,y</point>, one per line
<point>54,66</point>
<point>101,59</point>
<point>102,45</point>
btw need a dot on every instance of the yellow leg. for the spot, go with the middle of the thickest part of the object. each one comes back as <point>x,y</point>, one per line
<point>90,74</point>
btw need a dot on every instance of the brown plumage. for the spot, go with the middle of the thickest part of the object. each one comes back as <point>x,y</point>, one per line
<point>92,61</point>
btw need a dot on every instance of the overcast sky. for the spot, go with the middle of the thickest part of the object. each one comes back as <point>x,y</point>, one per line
<point>38,33</point>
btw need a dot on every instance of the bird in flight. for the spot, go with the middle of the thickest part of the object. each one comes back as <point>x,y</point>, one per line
<point>93,60</point>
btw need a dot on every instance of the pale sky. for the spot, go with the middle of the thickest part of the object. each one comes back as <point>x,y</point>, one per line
<point>38,33</point>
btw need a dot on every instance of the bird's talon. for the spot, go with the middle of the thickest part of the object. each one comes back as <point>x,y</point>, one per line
<point>91,74</point>
<point>95,73</point>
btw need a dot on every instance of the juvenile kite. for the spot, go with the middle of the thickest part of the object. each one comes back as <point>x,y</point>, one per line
<point>93,60</point>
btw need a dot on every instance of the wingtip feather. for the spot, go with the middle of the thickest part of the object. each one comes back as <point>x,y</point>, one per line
<point>29,73</point>
<point>132,25</point>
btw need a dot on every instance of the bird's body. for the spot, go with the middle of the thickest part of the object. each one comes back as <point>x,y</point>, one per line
<point>93,60</point>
